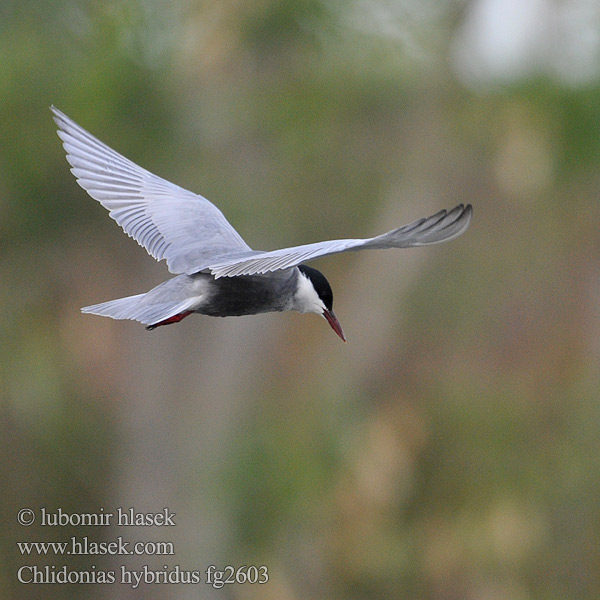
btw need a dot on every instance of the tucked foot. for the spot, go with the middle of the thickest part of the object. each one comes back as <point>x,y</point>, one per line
<point>173,319</point>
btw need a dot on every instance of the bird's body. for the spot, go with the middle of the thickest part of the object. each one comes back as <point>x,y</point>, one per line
<point>203,294</point>
<point>247,294</point>
<point>216,272</point>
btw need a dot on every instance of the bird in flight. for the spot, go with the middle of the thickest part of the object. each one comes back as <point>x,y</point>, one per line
<point>216,272</point>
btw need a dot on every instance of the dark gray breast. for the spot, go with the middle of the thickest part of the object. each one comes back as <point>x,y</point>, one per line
<point>250,294</point>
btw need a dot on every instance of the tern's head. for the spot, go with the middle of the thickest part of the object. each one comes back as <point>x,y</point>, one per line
<point>314,294</point>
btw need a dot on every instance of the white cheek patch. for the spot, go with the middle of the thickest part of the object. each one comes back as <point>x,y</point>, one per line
<point>306,299</point>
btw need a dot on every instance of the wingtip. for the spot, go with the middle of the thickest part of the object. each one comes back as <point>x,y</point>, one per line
<point>465,213</point>
<point>468,211</point>
<point>58,116</point>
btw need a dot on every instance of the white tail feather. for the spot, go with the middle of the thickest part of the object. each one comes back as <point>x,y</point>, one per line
<point>134,308</point>
<point>166,300</point>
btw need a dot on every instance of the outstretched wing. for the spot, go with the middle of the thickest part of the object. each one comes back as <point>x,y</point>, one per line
<point>171,223</point>
<point>441,227</point>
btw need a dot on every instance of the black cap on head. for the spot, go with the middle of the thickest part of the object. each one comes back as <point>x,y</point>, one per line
<point>320,284</point>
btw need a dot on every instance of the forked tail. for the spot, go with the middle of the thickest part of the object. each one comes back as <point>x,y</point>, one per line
<point>137,308</point>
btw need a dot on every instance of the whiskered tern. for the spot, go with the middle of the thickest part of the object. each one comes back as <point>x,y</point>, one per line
<point>216,272</point>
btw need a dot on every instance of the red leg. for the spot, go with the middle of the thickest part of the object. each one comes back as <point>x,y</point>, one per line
<point>173,319</point>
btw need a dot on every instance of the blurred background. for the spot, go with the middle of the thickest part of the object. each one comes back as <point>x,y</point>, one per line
<point>449,450</point>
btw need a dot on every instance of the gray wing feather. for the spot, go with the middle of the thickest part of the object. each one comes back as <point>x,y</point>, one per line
<point>441,227</point>
<point>170,222</point>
